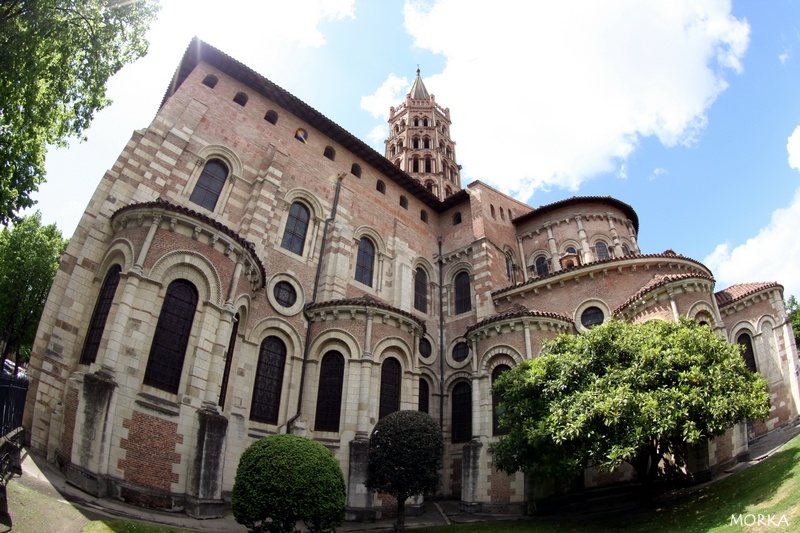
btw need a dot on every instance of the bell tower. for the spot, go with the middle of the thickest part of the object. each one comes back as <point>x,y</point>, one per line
<point>419,141</point>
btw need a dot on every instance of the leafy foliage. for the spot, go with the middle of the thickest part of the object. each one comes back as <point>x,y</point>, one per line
<point>29,257</point>
<point>55,59</point>
<point>405,455</point>
<point>793,310</point>
<point>284,479</point>
<point>624,392</point>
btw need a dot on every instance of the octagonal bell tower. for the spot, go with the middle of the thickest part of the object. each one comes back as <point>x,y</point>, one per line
<point>419,141</point>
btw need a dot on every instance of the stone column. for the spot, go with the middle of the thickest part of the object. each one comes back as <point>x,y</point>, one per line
<point>614,236</point>
<point>586,250</point>
<point>204,489</point>
<point>523,259</point>
<point>555,265</point>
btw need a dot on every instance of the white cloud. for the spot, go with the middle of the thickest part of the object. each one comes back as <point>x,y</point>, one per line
<point>772,255</point>
<point>657,173</point>
<point>777,241</point>
<point>388,94</point>
<point>793,147</point>
<point>574,85</point>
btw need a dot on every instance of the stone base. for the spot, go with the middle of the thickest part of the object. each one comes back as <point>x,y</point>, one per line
<point>204,509</point>
<point>88,482</point>
<point>361,515</point>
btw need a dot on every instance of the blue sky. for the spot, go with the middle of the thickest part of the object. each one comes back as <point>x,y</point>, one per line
<point>685,110</point>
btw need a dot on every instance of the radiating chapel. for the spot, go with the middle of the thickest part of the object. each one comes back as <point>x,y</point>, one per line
<point>248,267</point>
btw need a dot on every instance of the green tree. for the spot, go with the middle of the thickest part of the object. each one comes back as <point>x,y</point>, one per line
<point>405,456</point>
<point>55,59</point>
<point>285,479</point>
<point>636,393</point>
<point>793,310</point>
<point>29,258</point>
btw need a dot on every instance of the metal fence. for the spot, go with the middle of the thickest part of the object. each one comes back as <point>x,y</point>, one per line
<point>12,402</point>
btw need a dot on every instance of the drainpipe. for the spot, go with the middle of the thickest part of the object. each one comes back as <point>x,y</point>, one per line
<point>328,222</point>
<point>441,337</point>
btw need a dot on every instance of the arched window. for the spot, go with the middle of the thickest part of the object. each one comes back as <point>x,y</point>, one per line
<point>269,381</point>
<point>748,353</point>
<point>496,430</point>
<point>463,293</point>
<point>425,124</point>
<point>240,99</point>
<point>447,192</point>
<point>355,170</point>
<point>330,153</point>
<point>421,290</point>
<point>380,187</point>
<point>423,216</point>
<point>294,235</point>
<point>424,396</point>
<point>228,361</point>
<point>100,315</point>
<point>391,379</point>
<point>592,316</point>
<point>415,164</point>
<point>625,250</point>
<point>429,186</point>
<point>329,393</point>
<point>415,143</point>
<point>456,216</point>
<point>542,266</point>
<point>572,250</point>
<point>510,267</point>
<point>428,166</point>
<point>271,117</point>
<point>461,412</point>
<point>403,202</point>
<point>416,122</point>
<point>209,185</point>
<point>601,250</point>
<point>492,210</point>
<point>168,350</point>
<point>426,142</point>
<point>210,81</point>
<point>365,261</point>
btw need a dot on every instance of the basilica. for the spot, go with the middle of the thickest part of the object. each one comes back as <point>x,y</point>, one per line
<point>248,267</point>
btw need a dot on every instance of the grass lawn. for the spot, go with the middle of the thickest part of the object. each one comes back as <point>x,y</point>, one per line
<point>770,488</point>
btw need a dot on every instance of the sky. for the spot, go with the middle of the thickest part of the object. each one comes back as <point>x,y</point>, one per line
<point>689,110</point>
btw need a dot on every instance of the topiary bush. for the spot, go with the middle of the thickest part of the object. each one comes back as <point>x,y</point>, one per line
<point>285,479</point>
<point>405,456</point>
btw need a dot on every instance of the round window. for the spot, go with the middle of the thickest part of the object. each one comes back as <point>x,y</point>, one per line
<point>460,351</point>
<point>425,348</point>
<point>284,293</point>
<point>592,316</point>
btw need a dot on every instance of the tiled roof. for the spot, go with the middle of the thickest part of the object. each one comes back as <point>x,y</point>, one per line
<point>222,228</point>
<point>518,311</point>
<point>366,301</point>
<point>577,200</point>
<point>668,254</point>
<point>742,290</point>
<point>659,280</point>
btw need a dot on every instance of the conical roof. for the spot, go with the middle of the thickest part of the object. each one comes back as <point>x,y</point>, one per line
<point>418,90</point>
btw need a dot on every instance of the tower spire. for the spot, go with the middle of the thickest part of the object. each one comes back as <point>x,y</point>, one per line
<point>419,141</point>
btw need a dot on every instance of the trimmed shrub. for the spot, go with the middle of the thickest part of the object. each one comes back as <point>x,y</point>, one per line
<point>405,456</point>
<point>285,479</point>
